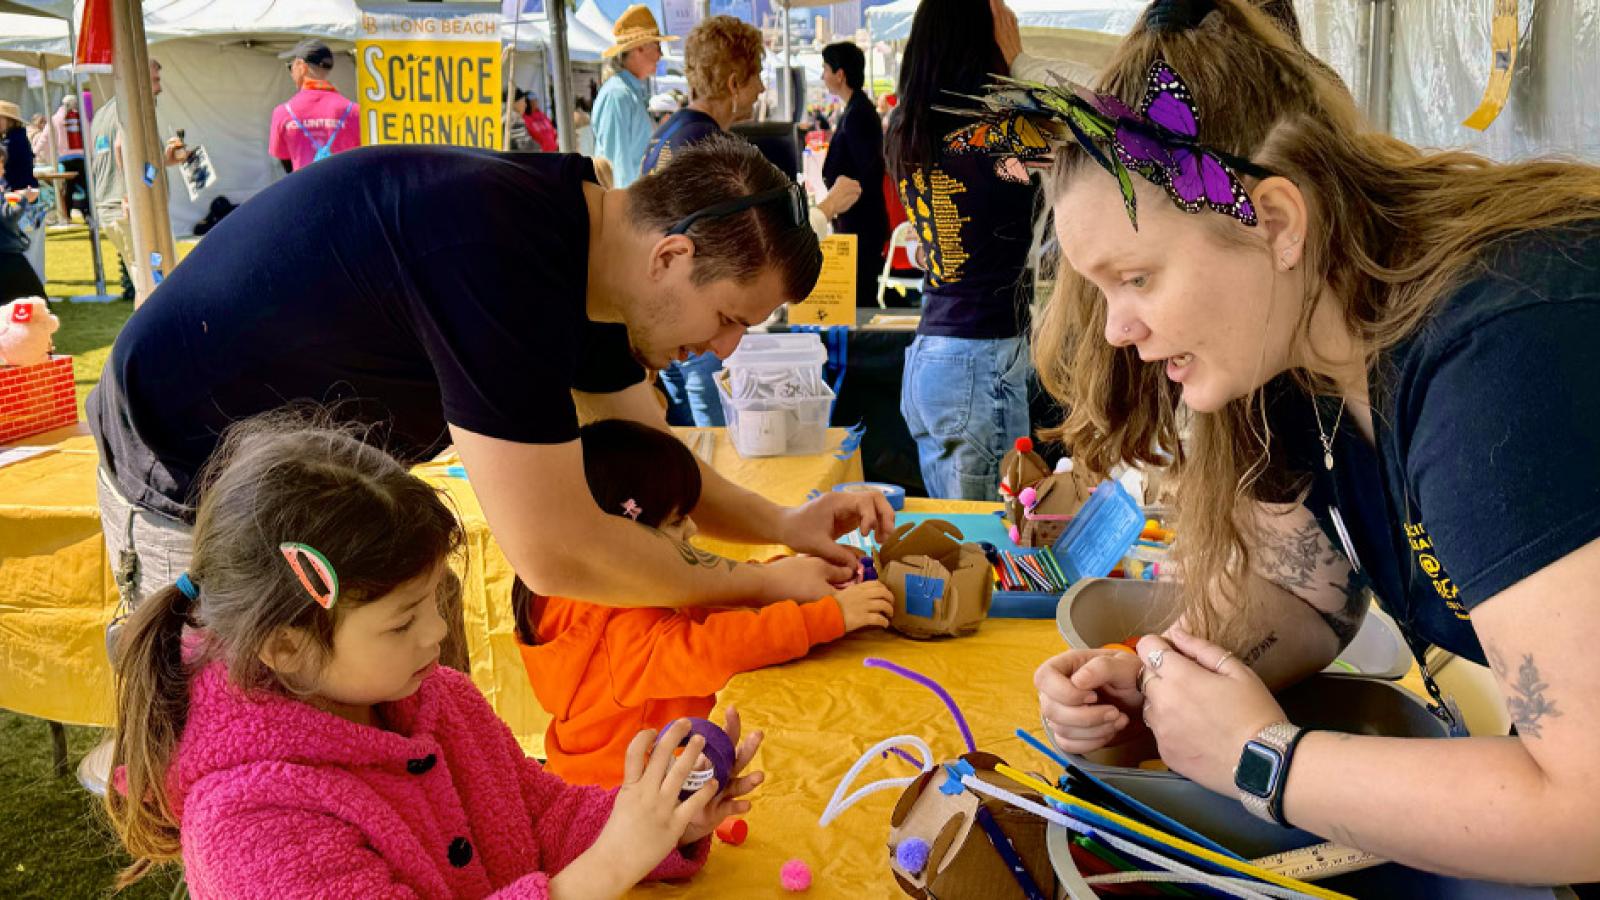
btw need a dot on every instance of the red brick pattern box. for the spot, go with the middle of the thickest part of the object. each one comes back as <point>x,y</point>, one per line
<point>36,399</point>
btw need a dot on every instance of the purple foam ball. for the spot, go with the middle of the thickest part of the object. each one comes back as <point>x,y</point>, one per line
<point>912,855</point>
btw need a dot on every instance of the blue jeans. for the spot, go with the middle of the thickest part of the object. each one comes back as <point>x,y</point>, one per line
<point>691,391</point>
<point>965,402</point>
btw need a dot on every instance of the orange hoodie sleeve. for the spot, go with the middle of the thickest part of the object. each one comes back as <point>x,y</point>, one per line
<point>681,657</point>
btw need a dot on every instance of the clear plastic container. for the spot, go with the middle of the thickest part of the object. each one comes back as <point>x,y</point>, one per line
<point>774,397</point>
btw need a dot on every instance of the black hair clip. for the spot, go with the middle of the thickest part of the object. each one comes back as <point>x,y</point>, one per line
<point>1177,15</point>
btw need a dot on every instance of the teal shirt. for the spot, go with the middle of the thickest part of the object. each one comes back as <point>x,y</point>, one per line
<point>622,125</point>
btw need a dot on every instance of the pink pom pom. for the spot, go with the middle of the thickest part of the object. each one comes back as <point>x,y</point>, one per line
<point>1016,536</point>
<point>1029,497</point>
<point>795,875</point>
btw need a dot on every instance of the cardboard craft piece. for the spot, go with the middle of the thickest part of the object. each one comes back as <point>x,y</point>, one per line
<point>962,863</point>
<point>941,586</point>
<point>1019,470</point>
<point>1055,495</point>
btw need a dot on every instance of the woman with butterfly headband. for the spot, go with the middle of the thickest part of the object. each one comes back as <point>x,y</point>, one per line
<point>1371,368</point>
<point>965,392</point>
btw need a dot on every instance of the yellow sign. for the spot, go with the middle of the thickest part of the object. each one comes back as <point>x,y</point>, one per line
<point>1503,44</point>
<point>430,74</point>
<point>833,300</point>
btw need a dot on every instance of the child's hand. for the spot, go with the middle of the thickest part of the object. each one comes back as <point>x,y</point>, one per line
<point>1088,697</point>
<point>865,605</point>
<point>647,821</point>
<point>728,803</point>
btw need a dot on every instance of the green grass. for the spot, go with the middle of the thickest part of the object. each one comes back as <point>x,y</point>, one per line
<point>54,840</point>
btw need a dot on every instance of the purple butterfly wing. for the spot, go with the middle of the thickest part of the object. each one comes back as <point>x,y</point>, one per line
<point>1224,192</point>
<point>1167,101</point>
<point>1144,154</point>
<point>1185,179</point>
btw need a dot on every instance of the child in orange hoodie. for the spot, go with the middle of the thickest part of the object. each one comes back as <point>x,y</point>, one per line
<point>606,672</point>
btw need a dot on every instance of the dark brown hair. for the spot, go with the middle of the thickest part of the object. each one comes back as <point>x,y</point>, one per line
<point>625,461</point>
<point>720,168</point>
<point>272,480</point>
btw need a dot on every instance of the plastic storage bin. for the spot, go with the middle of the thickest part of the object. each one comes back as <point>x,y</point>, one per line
<point>774,397</point>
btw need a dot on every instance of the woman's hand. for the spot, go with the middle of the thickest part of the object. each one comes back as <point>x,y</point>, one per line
<point>816,527</point>
<point>1088,697</point>
<point>729,802</point>
<point>843,195</point>
<point>1204,705</point>
<point>1006,31</point>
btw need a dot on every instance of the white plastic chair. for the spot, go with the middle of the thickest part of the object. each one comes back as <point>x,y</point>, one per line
<point>905,235</point>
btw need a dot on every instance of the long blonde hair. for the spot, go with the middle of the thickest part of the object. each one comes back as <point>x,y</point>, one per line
<point>1392,231</point>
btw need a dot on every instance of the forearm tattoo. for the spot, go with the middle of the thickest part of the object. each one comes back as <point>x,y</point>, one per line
<point>694,556</point>
<point>1528,701</point>
<point>1254,654</point>
<point>1303,562</point>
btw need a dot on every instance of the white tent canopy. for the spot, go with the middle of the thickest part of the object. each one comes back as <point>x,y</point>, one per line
<point>892,21</point>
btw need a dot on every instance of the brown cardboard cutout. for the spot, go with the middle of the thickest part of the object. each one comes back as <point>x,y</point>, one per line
<point>933,549</point>
<point>962,864</point>
<point>1055,495</point>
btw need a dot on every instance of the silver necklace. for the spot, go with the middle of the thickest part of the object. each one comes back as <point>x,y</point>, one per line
<point>1327,439</point>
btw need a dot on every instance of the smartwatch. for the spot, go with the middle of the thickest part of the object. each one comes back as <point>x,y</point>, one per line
<point>1263,769</point>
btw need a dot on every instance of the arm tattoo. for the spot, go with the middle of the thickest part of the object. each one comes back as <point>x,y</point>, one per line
<point>1254,654</point>
<point>1527,703</point>
<point>1304,563</point>
<point>694,556</point>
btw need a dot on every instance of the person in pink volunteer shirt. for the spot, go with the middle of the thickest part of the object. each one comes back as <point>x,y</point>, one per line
<point>317,121</point>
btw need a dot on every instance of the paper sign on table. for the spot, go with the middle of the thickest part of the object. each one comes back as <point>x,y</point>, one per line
<point>833,300</point>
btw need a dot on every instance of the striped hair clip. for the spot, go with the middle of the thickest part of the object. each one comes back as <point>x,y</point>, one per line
<point>299,557</point>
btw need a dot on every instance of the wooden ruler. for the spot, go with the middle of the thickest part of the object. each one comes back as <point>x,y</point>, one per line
<point>1318,861</point>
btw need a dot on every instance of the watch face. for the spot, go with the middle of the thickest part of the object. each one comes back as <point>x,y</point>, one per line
<point>1258,769</point>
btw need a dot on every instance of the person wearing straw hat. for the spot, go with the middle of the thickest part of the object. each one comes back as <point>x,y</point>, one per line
<point>621,122</point>
<point>19,149</point>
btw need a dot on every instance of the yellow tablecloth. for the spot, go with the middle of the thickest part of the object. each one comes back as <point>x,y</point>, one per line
<point>56,592</point>
<point>822,712</point>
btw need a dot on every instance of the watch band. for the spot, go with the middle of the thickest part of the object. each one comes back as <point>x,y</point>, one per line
<point>1282,737</point>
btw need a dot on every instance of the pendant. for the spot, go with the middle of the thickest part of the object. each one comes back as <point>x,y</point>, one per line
<point>1327,460</point>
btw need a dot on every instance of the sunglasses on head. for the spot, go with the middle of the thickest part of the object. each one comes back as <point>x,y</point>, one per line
<point>792,198</point>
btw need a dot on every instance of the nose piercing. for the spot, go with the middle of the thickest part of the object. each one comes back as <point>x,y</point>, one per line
<point>1127,328</point>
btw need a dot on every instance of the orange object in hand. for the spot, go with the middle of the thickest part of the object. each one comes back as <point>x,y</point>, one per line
<point>733,831</point>
<point>1119,646</point>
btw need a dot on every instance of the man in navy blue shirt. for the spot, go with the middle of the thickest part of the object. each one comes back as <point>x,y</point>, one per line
<point>443,295</point>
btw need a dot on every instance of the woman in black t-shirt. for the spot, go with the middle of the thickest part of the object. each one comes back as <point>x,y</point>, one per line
<point>1381,363</point>
<point>965,394</point>
<point>853,168</point>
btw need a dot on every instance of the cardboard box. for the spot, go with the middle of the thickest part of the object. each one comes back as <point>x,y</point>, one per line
<point>36,399</point>
<point>941,586</point>
<point>962,864</point>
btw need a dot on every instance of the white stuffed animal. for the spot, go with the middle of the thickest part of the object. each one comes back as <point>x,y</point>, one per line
<point>25,329</point>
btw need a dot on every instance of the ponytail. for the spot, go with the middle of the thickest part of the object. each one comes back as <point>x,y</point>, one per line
<point>152,693</point>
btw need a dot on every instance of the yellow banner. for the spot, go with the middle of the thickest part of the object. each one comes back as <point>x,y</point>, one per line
<point>430,77</point>
<point>833,300</point>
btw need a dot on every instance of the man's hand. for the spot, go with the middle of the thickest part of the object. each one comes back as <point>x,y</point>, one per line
<point>1006,31</point>
<point>816,527</point>
<point>175,152</point>
<point>802,578</point>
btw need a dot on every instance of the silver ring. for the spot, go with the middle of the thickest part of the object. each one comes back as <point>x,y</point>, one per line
<point>1218,667</point>
<point>1156,658</point>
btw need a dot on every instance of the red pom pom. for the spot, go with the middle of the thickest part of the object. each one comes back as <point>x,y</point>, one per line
<point>733,831</point>
<point>1024,445</point>
<point>795,875</point>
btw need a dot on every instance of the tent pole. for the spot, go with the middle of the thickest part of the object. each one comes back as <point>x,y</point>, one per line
<point>1379,71</point>
<point>788,67</point>
<point>141,147</point>
<point>556,12</point>
<point>50,128</point>
<point>84,122</point>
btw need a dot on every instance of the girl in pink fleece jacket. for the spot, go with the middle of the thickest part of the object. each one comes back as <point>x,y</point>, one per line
<point>284,727</point>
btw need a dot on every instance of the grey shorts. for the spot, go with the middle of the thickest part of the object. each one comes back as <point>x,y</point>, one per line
<point>147,550</point>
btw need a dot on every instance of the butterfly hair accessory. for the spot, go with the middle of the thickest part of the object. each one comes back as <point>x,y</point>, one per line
<point>303,556</point>
<point>632,509</point>
<point>1018,121</point>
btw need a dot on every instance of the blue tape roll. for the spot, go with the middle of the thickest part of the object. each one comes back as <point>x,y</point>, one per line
<point>896,495</point>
